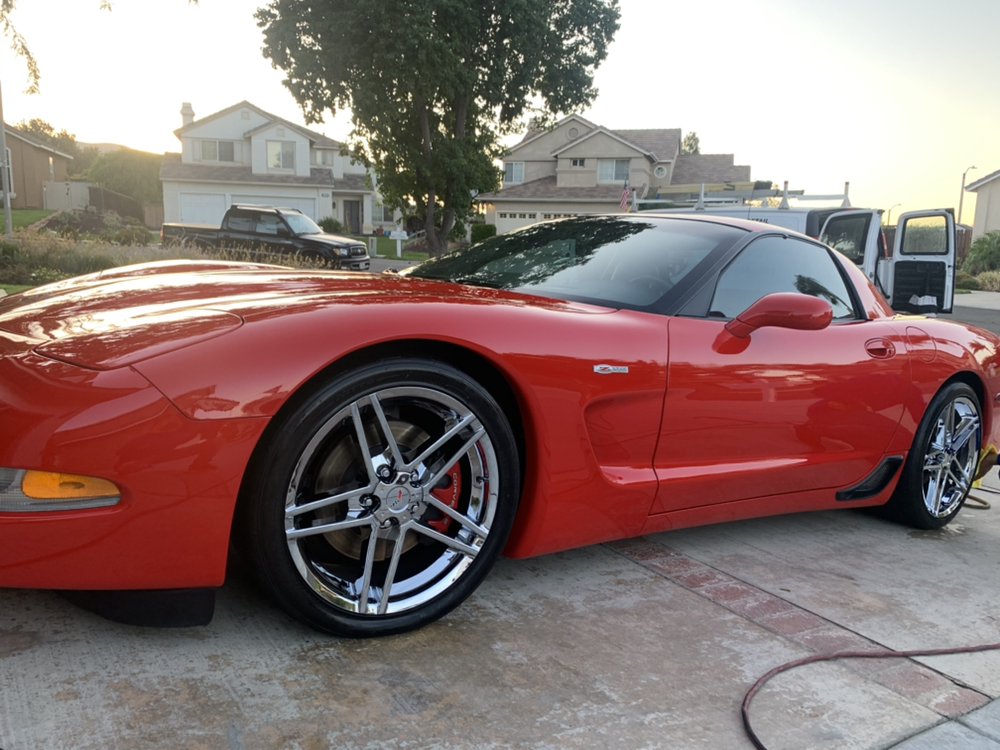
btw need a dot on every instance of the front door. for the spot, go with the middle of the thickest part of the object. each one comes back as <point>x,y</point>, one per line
<point>782,411</point>
<point>352,216</point>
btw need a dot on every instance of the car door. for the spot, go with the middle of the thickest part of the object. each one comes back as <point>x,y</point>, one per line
<point>780,411</point>
<point>273,234</point>
<point>923,262</point>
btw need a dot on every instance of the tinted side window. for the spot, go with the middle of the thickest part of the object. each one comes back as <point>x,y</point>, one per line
<point>848,235</point>
<point>239,221</point>
<point>268,223</point>
<point>777,264</point>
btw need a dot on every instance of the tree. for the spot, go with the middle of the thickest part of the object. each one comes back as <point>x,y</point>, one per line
<point>42,131</point>
<point>132,173</point>
<point>433,84</point>
<point>690,144</point>
<point>62,141</point>
<point>984,255</point>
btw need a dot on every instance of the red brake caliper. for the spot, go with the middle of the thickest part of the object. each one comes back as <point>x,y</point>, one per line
<point>448,495</point>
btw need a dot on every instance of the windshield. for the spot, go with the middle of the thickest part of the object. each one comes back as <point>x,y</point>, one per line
<point>301,224</point>
<point>620,261</point>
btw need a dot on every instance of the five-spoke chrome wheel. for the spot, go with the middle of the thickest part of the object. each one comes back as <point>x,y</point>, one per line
<point>942,464</point>
<point>952,457</point>
<point>400,484</point>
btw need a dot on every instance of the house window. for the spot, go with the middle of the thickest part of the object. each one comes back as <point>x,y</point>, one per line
<point>212,150</point>
<point>612,170</point>
<point>579,162</point>
<point>513,172</point>
<point>383,214</point>
<point>280,155</point>
<point>324,157</point>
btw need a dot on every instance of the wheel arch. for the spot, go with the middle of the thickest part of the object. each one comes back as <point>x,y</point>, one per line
<point>976,383</point>
<point>472,364</point>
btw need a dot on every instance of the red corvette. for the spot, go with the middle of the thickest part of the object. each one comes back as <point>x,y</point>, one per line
<point>371,443</point>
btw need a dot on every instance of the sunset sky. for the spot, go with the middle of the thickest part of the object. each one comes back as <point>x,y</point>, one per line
<point>897,97</point>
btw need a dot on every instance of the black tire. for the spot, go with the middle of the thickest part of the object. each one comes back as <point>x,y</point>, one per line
<point>942,463</point>
<point>327,480</point>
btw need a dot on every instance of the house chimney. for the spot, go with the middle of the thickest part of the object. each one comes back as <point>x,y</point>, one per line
<point>187,113</point>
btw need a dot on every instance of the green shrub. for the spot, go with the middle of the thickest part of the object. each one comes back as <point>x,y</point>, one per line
<point>331,226</point>
<point>984,255</point>
<point>964,280</point>
<point>481,231</point>
<point>989,281</point>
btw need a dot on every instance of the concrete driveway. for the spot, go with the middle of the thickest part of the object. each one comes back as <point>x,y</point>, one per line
<point>647,643</point>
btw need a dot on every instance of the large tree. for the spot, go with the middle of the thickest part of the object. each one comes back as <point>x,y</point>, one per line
<point>132,173</point>
<point>433,85</point>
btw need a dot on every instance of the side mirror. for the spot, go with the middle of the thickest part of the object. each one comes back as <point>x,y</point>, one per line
<point>801,312</point>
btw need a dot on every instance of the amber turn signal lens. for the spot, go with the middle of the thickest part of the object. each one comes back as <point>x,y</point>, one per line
<point>47,485</point>
<point>29,491</point>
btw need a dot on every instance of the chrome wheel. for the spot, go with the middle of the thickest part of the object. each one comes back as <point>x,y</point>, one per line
<point>952,456</point>
<point>943,460</point>
<point>379,501</point>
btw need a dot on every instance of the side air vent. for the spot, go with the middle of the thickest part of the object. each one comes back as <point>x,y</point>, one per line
<point>875,482</point>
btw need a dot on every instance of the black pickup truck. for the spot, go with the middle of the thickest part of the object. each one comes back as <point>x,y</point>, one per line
<point>270,230</point>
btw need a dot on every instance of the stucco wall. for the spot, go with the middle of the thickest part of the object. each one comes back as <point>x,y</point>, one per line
<point>987,209</point>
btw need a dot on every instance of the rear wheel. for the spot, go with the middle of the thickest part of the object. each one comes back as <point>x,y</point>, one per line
<point>381,501</point>
<point>942,463</point>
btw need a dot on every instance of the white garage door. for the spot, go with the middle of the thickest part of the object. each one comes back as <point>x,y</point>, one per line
<point>305,205</point>
<point>202,208</point>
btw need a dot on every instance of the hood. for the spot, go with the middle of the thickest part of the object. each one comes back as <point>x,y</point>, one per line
<point>333,240</point>
<point>119,317</point>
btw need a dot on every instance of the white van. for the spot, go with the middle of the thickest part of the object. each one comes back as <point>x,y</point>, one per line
<point>917,276</point>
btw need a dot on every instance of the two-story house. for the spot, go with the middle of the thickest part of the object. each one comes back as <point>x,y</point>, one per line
<point>576,167</point>
<point>246,155</point>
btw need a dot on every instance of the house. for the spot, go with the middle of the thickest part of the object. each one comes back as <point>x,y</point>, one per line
<point>577,167</point>
<point>987,192</point>
<point>33,164</point>
<point>246,155</point>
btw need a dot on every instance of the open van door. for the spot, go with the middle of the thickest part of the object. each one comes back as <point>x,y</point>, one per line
<point>856,233</point>
<point>923,262</point>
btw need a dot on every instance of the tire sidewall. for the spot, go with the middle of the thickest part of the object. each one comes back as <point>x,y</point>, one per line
<point>263,530</point>
<point>908,500</point>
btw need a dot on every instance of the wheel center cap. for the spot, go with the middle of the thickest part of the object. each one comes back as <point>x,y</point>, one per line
<point>398,498</point>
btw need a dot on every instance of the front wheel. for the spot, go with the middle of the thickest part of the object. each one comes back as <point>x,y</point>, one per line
<point>378,503</point>
<point>942,463</point>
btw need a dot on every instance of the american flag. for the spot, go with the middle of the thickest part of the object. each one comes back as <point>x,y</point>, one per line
<point>625,198</point>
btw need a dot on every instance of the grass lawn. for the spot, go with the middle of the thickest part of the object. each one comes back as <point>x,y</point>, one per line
<point>13,288</point>
<point>386,248</point>
<point>23,217</point>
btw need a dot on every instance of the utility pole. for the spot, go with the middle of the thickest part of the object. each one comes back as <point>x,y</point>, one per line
<point>5,170</point>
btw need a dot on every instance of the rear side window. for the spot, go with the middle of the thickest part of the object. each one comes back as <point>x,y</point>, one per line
<point>239,221</point>
<point>781,264</point>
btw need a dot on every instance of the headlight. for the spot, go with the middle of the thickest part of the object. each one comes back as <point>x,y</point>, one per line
<point>341,252</point>
<point>25,491</point>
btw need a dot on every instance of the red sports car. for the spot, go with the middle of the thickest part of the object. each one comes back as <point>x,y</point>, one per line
<point>371,443</point>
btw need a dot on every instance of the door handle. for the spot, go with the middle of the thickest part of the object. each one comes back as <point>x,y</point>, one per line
<point>880,348</point>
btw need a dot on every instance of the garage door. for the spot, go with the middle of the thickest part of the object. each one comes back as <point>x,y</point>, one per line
<point>202,208</point>
<point>305,205</point>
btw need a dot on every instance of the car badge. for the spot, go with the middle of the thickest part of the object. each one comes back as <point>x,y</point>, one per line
<point>611,369</point>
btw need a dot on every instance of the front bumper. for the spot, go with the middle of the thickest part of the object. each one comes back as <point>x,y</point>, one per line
<point>179,479</point>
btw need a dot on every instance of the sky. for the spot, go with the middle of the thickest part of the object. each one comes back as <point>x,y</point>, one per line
<point>897,97</point>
